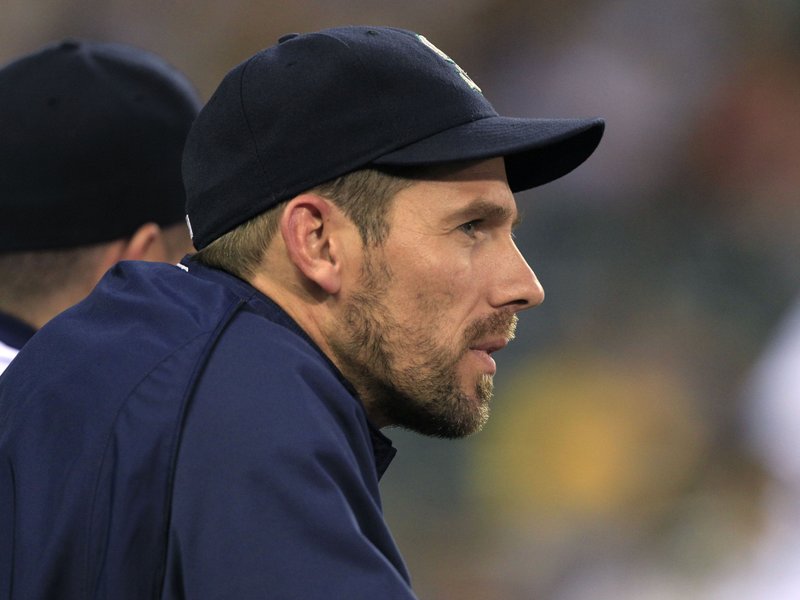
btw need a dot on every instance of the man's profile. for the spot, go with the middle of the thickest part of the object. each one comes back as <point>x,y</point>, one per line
<point>350,195</point>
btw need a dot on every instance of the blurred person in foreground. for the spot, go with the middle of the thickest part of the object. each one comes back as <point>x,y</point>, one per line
<point>350,196</point>
<point>90,151</point>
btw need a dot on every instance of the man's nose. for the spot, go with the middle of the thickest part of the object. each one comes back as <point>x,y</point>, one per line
<point>517,286</point>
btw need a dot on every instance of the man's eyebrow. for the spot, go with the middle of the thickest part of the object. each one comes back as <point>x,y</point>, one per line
<point>489,211</point>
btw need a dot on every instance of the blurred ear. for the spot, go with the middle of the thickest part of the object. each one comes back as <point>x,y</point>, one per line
<point>309,229</point>
<point>146,243</point>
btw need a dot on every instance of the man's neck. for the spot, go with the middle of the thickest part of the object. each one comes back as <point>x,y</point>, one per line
<point>309,313</point>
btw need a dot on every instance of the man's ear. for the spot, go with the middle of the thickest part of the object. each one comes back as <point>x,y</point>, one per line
<point>146,243</point>
<point>308,226</point>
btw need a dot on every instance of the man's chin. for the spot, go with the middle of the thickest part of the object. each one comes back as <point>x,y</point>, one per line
<point>468,415</point>
<point>459,417</point>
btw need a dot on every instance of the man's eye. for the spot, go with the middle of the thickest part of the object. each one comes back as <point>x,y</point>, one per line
<point>470,228</point>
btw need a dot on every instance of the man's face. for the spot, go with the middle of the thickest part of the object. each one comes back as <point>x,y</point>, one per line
<point>434,302</point>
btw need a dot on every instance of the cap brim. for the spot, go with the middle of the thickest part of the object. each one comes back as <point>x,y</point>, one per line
<point>536,151</point>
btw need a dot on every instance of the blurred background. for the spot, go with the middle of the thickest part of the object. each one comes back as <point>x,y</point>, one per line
<point>642,443</point>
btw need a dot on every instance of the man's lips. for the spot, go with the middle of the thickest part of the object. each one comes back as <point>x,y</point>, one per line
<point>491,345</point>
<point>483,351</point>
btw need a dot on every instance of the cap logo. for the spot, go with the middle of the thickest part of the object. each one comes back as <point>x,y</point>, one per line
<point>449,60</point>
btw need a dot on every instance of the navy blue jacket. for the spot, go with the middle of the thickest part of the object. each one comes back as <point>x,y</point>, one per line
<point>177,435</point>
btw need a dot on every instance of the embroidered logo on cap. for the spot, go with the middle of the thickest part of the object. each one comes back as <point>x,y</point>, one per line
<point>444,56</point>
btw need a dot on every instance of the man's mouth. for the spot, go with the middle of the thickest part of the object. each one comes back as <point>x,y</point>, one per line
<point>491,335</point>
<point>484,350</point>
<point>490,346</point>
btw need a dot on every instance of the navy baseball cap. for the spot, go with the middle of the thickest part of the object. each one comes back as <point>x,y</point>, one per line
<point>317,106</point>
<point>91,138</point>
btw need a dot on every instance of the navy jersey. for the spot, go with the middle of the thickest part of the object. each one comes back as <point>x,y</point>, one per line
<point>177,435</point>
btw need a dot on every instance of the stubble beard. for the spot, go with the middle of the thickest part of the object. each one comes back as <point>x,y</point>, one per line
<point>404,374</point>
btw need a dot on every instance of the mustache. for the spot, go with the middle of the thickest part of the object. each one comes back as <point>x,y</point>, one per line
<point>498,324</point>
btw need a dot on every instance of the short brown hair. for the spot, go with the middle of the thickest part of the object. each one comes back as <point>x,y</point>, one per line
<point>364,196</point>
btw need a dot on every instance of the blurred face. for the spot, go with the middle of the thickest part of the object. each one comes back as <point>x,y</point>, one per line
<point>435,301</point>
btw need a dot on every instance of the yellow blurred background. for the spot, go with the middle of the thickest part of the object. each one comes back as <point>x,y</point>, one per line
<point>642,438</point>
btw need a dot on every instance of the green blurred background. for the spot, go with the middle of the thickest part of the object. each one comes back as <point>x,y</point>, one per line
<point>635,450</point>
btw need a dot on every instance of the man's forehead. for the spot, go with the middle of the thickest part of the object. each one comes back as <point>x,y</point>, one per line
<point>485,177</point>
<point>465,189</point>
<point>490,168</point>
